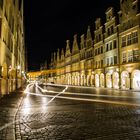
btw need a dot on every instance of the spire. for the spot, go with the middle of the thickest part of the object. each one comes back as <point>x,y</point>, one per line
<point>58,55</point>
<point>68,48</point>
<point>88,38</point>
<point>62,54</point>
<point>98,23</point>
<point>54,55</point>
<point>45,65</point>
<point>75,48</point>
<point>82,41</point>
<point>88,33</point>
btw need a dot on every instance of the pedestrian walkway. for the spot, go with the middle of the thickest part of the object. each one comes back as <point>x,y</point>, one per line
<point>9,105</point>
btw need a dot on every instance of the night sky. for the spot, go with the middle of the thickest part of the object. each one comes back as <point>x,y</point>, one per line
<point>48,24</point>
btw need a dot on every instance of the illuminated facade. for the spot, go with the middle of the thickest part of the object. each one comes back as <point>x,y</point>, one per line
<point>108,57</point>
<point>12,49</point>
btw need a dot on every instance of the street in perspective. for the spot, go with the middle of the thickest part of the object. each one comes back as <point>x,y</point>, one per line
<point>70,70</point>
<point>50,111</point>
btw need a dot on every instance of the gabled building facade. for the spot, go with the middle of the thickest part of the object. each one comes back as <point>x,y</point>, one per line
<point>110,55</point>
<point>129,44</point>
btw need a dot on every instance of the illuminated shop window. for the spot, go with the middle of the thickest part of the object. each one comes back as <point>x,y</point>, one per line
<point>102,80</point>
<point>97,80</point>
<point>125,80</point>
<point>136,79</point>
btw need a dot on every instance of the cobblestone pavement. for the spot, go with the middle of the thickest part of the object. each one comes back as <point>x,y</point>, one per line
<point>8,107</point>
<point>75,120</point>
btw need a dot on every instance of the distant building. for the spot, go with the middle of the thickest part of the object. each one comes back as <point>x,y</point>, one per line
<point>109,56</point>
<point>12,47</point>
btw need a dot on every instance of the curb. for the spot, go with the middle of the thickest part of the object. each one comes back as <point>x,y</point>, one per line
<point>16,112</point>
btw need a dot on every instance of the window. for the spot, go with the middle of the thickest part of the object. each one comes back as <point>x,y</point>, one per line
<point>96,64</point>
<point>111,61</point>
<point>112,29</point>
<point>98,50</point>
<point>107,61</point>
<point>96,38</point>
<point>124,57</point>
<point>123,41</point>
<point>110,45</point>
<point>99,37</point>
<point>135,37</point>
<point>19,6</point>
<point>14,2</point>
<point>115,59</point>
<point>129,39</point>
<point>95,51</point>
<point>114,44</point>
<point>106,47</point>
<point>101,49</point>
<point>90,53</point>
<point>136,55</point>
<point>134,7</point>
<point>108,31</point>
<point>1,3</point>
<point>101,63</point>
<point>130,56</point>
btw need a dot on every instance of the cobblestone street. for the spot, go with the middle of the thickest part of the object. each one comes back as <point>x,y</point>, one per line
<point>33,117</point>
<point>76,120</point>
<point>8,107</point>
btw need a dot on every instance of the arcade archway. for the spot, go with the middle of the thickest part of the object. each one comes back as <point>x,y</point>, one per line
<point>97,80</point>
<point>136,79</point>
<point>125,80</point>
<point>102,80</point>
<point>108,80</point>
<point>116,80</point>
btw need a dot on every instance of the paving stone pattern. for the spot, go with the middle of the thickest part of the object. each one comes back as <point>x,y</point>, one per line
<point>8,107</point>
<point>77,120</point>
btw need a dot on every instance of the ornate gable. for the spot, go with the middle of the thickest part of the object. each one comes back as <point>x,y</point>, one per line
<point>88,38</point>
<point>62,54</point>
<point>75,48</point>
<point>68,53</point>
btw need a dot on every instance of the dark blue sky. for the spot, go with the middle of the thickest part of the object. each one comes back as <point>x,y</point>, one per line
<point>48,24</point>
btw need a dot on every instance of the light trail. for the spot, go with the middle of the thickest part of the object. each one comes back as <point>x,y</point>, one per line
<point>83,94</point>
<point>89,100</point>
<point>97,95</point>
<point>32,83</point>
<point>35,83</point>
